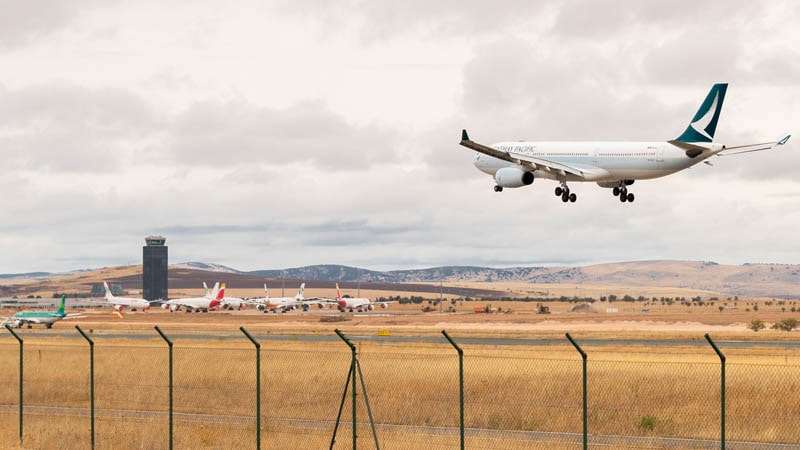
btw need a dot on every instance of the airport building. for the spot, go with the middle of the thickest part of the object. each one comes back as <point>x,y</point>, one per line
<point>154,268</point>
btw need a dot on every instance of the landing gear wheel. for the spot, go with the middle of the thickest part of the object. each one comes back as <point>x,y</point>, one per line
<point>630,197</point>
<point>559,191</point>
<point>564,197</point>
<point>623,198</point>
<point>616,191</point>
<point>573,198</point>
<point>498,188</point>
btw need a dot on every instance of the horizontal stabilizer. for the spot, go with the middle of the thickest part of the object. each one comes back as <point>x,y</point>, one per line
<point>739,149</point>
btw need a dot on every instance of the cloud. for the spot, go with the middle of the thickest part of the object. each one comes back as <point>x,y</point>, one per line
<point>23,23</point>
<point>66,127</point>
<point>378,21</point>
<point>237,132</point>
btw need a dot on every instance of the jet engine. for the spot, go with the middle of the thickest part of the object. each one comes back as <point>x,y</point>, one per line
<point>513,177</point>
<point>118,308</point>
<point>384,305</point>
<point>370,307</point>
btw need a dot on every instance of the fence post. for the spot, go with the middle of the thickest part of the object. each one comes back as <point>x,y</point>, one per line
<point>169,343</point>
<point>91,376</point>
<point>8,327</point>
<point>258,386</point>
<point>460,383</point>
<point>584,357</point>
<point>722,389</point>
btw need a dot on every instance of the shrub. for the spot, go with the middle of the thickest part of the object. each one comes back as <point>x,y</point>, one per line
<point>756,325</point>
<point>785,324</point>
<point>647,423</point>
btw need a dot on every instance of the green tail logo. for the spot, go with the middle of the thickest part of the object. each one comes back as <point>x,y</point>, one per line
<point>704,123</point>
<point>62,305</point>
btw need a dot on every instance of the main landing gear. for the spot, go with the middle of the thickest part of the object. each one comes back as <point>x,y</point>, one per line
<point>498,188</point>
<point>623,194</point>
<point>563,192</point>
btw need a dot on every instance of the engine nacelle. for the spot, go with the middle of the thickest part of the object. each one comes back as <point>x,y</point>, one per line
<point>384,305</point>
<point>370,307</point>
<point>119,308</point>
<point>513,177</point>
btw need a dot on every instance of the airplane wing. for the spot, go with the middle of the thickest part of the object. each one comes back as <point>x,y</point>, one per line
<point>754,147</point>
<point>523,160</point>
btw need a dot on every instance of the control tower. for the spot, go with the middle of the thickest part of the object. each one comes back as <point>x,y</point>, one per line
<point>154,268</point>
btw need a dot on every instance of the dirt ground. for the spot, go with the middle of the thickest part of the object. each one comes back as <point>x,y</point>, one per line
<point>511,318</point>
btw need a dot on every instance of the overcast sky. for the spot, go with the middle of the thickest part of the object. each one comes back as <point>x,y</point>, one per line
<point>279,134</point>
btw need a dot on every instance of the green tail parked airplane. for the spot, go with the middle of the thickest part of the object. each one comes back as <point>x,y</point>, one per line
<point>47,318</point>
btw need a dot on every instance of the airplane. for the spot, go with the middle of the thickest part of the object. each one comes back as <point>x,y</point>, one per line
<point>358,304</point>
<point>614,165</point>
<point>283,304</point>
<point>231,303</point>
<point>204,304</point>
<point>119,303</point>
<point>47,318</point>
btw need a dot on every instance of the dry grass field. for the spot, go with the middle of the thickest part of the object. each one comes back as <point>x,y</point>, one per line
<point>516,395</point>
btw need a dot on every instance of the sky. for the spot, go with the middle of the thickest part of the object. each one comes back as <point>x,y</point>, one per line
<point>276,134</point>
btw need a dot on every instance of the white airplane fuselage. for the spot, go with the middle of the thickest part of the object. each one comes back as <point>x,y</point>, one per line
<point>604,161</point>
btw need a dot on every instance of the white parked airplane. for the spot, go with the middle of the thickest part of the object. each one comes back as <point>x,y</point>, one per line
<point>358,304</point>
<point>120,303</point>
<point>283,304</point>
<point>232,302</point>
<point>613,165</point>
<point>204,304</point>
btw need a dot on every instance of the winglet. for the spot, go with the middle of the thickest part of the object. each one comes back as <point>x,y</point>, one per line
<point>784,140</point>
<point>464,136</point>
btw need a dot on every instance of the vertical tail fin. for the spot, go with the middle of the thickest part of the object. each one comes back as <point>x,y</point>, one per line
<point>266,294</point>
<point>704,123</point>
<point>338,294</point>
<point>214,291</point>
<point>299,295</point>
<point>109,295</point>
<point>221,293</point>
<point>62,305</point>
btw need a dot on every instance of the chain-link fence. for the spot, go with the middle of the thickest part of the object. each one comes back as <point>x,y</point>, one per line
<point>408,393</point>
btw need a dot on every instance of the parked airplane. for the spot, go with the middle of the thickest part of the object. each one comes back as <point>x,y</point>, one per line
<point>120,303</point>
<point>283,304</point>
<point>357,304</point>
<point>47,318</point>
<point>614,165</point>
<point>204,304</point>
<point>232,302</point>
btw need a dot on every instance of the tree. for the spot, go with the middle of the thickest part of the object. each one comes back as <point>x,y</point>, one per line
<point>756,325</point>
<point>785,324</point>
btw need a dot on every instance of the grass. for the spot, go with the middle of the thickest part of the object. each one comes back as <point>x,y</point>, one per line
<point>633,391</point>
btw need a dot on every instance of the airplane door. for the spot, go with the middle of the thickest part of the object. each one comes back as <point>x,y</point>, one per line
<point>594,155</point>
<point>660,152</point>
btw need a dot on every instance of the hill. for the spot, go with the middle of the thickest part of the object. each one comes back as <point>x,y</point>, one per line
<point>747,280</point>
